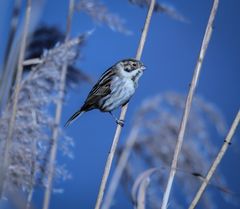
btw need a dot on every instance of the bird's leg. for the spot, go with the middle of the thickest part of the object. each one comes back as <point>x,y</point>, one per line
<point>119,122</point>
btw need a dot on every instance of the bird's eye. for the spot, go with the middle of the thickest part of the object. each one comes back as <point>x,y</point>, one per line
<point>134,65</point>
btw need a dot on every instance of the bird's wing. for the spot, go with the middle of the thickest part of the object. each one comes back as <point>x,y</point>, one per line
<point>100,89</point>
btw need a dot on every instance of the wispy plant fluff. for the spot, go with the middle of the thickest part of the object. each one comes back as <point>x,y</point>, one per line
<point>100,13</point>
<point>162,8</point>
<point>46,37</point>
<point>31,139</point>
<point>158,121</point>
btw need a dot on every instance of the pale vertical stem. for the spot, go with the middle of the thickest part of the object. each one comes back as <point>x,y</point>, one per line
<point>58,113</point>
<point>4,164</point>
<point>11,63</point>
<point>123,114</point>
<point>12,32</point>
<point>13,27</point>
<point>188,103</point>
<point>217,160</point>
<point>118,171</point>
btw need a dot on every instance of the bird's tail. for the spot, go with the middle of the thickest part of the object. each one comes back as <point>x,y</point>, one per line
<point>73,117</point>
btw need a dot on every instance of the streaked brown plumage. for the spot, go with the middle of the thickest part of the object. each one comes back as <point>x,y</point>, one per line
<point>114,88</point>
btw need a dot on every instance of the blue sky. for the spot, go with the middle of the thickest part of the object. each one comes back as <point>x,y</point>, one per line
<point>170,54</point>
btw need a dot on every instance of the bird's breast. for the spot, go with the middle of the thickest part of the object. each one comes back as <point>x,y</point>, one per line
<point>123,86</point>
<point>121,91</point>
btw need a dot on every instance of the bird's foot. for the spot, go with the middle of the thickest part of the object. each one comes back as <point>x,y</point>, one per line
<point>120,122</point>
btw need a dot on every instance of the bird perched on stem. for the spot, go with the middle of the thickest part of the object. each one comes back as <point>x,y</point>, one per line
<point>115,88</point>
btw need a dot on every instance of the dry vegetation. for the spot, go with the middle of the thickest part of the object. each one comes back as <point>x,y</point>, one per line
<point>35,78</point>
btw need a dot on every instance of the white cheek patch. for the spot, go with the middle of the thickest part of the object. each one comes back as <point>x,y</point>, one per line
<point>133,75</point>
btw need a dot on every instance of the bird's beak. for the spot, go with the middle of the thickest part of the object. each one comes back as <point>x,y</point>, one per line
<point>143,67</point>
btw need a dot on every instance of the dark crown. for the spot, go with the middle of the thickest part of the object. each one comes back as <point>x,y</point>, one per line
<point>131,64</point>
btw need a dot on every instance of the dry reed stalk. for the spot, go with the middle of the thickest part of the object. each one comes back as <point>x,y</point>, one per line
<point>57,119</point>
<point>216,162</point>
<point>34,61</point>
<point>13,29</point>
<point>123,113</point>
<point>157,120</point>
<point>141,199</point>
<point>120,168</point>
<point>4,165</point>
<point>188,104</point>
<point>140,186</point>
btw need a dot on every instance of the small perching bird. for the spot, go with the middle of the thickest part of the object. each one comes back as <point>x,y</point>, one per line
<point>115,88</point>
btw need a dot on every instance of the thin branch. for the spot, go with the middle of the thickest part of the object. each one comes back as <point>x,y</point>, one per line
<point>11,63</point>
<point>188,104</point>
<point>123,113</point>
<point>13,27</point>
<point>58,113</point>
<point>137,193</point>
<point>217,160</point>
<point>33,61</point>
<point>12,32</point>
<point>4,164</point>
<point>120,168</point>
<point>141,198</point>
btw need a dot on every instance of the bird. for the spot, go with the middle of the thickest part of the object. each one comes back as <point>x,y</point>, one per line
<point>114,89</point>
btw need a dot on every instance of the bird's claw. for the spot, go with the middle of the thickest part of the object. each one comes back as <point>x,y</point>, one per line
<point>120,122</point>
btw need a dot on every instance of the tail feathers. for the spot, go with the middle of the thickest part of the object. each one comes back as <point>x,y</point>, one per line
<point>73,117</point>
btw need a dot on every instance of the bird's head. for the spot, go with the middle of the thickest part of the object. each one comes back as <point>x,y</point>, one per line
<point>131,68</point>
